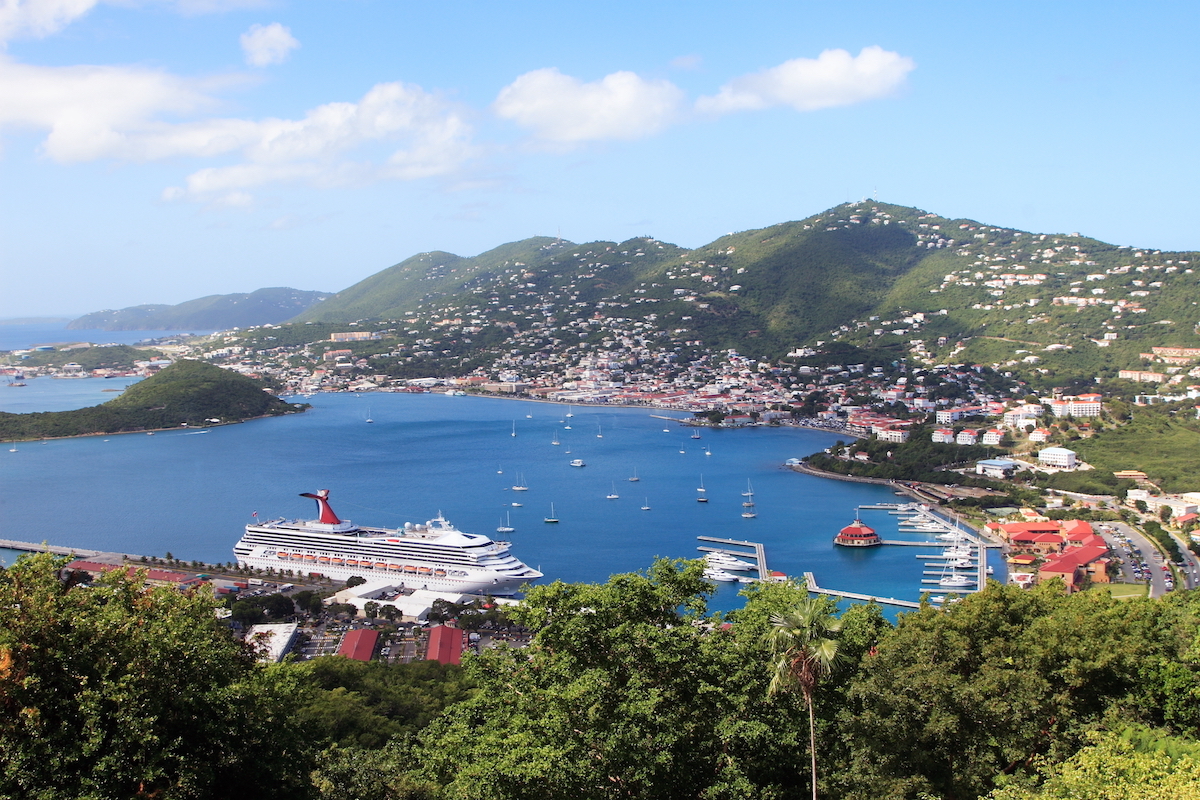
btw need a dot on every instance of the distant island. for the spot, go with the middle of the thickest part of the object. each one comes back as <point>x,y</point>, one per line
<point>187,393</point>
<point>215,312</point>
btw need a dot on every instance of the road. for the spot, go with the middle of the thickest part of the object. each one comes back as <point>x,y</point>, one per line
<point>1136,550</point>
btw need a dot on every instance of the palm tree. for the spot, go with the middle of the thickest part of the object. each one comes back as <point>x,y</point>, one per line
<point>803,656</point>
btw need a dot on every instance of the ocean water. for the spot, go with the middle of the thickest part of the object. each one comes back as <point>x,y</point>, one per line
<point>32,334</point>
<point>190,493</point>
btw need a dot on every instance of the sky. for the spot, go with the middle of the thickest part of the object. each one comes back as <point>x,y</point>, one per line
<point>157,151</point>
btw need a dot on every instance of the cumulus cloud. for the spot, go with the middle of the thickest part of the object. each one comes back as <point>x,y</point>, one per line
<point>128,113</point>
<point>834,78</point>
<point>43,17</point>
<point>264,45</point>
<point>561,108</point>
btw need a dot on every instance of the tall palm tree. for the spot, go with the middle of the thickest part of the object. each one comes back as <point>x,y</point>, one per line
<point>804,654</point>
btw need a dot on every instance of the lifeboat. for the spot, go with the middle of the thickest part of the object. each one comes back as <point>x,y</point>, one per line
<point>281,554</point>
<point>297,556</point>
<point>410,569</point>
<point>323,559</point>
<point>309,557</point>
<point>440,573</point>
<point>395,567</point>
<point>380,565</point>
<point>424,570</point>
<point>338,560</point>
<point>351,562</point>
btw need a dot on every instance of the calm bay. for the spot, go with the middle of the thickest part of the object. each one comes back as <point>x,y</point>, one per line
<point>190,493</point>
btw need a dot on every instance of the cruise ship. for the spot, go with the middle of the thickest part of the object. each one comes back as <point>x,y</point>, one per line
<point>435,555</point>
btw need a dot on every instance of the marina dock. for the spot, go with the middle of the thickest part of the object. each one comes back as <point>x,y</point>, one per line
<point>30,547</point>
<point>810,583</point>
<point>759,553</point>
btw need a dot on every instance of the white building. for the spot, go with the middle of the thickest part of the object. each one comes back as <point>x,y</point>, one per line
<point>1084,405</point>
<point>1059,457</point>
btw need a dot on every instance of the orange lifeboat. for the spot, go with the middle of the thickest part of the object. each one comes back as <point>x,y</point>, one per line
<point>351,562</point>
<point>323,559</point>
<point>395,567</point>
<point>309,557</point>
<point>380,565</point>
<point>440,573</point>
<point>338,560</point>
<point>424,570</point>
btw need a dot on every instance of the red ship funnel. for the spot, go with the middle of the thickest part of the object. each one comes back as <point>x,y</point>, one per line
<point>322,497</point>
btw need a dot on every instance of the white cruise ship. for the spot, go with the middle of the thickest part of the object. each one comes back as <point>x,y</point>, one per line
<point>434,556</point>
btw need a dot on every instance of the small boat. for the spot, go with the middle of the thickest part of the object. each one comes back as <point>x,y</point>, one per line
<point>696,435</point>
<point>516,505</point>
<point>424,570</point>
<point>599,433</point>
<point>555,440</point>
<point>529,416</point>
<point>552,517</point>
<point>514,432</point>
<point>520,484</point>
<point>666,430</point>
<point>569,414</point>
<point>707,452</point>
<point>499,470</point>
<point>369,420</point>
<point>956,580</point>
<point>506,525</point>
<point>646,506</point>
<point>749,490</point>
<point>634,478</point>
<point>613,494</point>
<point>577,462</point>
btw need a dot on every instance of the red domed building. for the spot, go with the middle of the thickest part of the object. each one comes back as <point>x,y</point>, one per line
<point>857,534</point>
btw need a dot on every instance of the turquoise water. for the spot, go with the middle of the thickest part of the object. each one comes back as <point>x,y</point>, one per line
<point>59,394</point>
<point>31,334</point>
<point>191,493</point>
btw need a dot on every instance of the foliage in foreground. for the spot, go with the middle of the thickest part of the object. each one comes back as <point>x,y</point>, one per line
<point>114,691</point>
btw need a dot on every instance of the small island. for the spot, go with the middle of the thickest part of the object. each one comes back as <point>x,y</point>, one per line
<point>185,394</point>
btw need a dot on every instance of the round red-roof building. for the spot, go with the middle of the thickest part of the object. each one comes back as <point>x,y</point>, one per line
<point>857,534</point>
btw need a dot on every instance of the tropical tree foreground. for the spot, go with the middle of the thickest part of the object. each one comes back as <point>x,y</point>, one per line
<point>629,689</point>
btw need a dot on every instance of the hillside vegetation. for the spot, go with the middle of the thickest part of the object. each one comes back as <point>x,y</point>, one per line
<point>874,274</point>
<point>187,392</point>
<point>215,312</point>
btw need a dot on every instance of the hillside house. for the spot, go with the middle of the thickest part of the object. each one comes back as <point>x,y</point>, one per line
<point>1058,458</point>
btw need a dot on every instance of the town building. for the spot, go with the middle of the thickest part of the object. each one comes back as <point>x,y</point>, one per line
<point>359,644</point>
<point>1057,457</point>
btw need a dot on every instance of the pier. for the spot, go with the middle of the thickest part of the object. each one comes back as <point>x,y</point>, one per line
<point>30,547</point>
<point>760,555</point>
<point>810,583</point>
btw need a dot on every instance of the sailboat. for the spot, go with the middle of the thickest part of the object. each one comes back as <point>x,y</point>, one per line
<point>555,441</point>
<point>369,420</point>
<point>695,434</point>
<point>634,477</point>
<point>506,526</point>
<point>646,505</point>
<point>599,433</point>
<point>499,469</point>
<point>702,497</point>
<point>13,449</point>
<point>551,518</point>
<point>569,414</point>
<point>748,506</point>
<point>520,485</point>
<point>514,433</point>
<point>613,495</point>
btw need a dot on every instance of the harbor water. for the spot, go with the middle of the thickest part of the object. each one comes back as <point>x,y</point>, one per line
<point>190,493</point>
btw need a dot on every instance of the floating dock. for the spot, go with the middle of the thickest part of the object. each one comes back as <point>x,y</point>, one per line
<point>759,555</point>
<point>810,583</point>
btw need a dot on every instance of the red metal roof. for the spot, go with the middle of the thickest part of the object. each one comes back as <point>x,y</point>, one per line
<point>445,644</point>
<point>359,644</point>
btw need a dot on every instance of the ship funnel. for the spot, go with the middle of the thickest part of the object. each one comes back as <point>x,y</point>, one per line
<point>326,511</point>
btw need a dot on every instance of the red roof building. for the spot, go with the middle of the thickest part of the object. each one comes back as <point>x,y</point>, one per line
<point>446,644</point>
<point>154,577</point>
<point>359,644</point>
<point>857,534</point>
<point>1075,564</point>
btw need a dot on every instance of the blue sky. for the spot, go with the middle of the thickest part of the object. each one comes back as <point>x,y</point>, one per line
<point>155,151</point>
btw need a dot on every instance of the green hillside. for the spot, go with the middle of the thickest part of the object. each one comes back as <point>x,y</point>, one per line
<point>215,312</point>
<point>187,392</point>
<point>872,274</point>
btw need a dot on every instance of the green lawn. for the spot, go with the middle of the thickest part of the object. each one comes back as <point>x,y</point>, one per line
<point>1122,591</point>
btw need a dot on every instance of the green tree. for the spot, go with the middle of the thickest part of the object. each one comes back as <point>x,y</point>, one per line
<point>804,654</point>
<point>118,691</point>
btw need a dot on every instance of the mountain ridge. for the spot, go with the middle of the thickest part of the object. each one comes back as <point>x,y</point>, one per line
<point>216,312</point>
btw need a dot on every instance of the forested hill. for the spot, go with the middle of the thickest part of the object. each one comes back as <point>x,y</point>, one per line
<point>857,272</point>
<point>215,312</point>
<point>187,392</point>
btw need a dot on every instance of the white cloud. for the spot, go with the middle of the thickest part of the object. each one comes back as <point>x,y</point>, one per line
<point>126,113</point>
<point>834,78</point>
<point>39,17</point>
<point>43,17</point>
<point>264,45</point>
<point>561,108</point>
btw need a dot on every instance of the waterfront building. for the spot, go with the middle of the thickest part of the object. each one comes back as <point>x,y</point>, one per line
<point>857,534</point>
<point>359,644</point>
